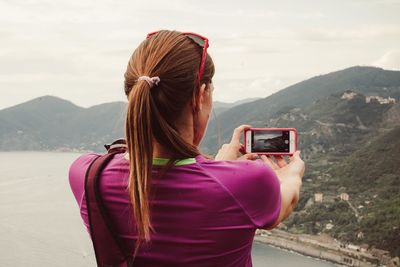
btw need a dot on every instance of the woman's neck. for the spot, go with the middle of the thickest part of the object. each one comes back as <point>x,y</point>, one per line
<point>185,129</point>
<point>160,151</point>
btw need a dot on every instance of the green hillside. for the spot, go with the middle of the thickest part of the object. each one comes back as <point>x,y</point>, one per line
<point>371,177</point>
<point>365,80</point>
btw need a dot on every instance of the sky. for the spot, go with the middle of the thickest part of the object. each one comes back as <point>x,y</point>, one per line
<point>78,50</point>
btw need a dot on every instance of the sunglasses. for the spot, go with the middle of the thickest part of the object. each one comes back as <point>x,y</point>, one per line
<point>202,42</point>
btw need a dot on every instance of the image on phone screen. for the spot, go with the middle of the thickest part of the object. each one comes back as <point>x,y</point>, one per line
<point>270,141</point>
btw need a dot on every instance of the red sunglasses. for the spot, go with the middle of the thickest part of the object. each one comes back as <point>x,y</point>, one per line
<point>202,42</point>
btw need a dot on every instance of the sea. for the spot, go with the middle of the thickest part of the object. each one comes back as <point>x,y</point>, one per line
<point>40,223</point>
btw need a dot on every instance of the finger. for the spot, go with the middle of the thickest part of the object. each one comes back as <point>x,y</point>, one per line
<point>280,161</point>
<point>242,149</point>
<point>249,156</point>
<point>237,133</point>
<point>266,161</point>
<point>269,162</point>
<point>296,160</point>
<point>273,161</point>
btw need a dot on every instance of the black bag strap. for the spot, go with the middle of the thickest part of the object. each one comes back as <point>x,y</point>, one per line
<point>110,250</point>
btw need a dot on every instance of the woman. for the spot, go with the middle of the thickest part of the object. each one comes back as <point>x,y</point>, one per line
<point>174,206</point>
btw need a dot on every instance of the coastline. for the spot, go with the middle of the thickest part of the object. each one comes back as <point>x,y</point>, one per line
<point>312,247</point>
<point>295,252</point>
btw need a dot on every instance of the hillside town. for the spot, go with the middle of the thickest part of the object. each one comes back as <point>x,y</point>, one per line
<point>348,95</point>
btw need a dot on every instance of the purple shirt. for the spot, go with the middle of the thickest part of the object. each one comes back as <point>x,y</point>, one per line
<point>204,212</point>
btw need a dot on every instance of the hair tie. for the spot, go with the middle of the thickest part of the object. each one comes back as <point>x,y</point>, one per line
<point>151,81</point>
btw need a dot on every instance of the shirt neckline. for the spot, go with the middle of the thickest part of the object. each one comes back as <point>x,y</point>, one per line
<point>181,162</point>
<point>164,161</point>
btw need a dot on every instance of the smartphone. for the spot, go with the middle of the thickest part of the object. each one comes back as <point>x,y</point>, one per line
<point>271,141</point>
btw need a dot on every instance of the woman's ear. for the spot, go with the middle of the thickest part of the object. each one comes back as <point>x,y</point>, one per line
<point>202,96</point>
<point>197,103</point>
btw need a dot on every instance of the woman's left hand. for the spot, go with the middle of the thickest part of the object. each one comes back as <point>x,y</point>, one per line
<point>234,149</point>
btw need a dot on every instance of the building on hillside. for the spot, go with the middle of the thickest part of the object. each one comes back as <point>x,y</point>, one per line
<point>348,95</point>
<point>318,197</point>
<point>344,196</point>
<point>360,235</point>
<point>329,226</point>
<point>381,100</point>
<point>353,247</point>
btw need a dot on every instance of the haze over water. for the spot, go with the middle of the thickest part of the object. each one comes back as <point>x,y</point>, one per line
<point>40,223</point>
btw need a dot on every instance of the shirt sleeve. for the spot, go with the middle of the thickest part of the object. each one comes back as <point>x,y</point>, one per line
<point>256,189</point>
<point>265,204</point>
<point>77,171</point>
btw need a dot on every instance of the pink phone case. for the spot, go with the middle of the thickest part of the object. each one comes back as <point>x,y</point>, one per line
<point>273,129</point>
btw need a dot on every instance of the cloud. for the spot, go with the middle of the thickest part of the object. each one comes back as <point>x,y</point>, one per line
<point>231,89</point>
<point>361,33</point>
<point>390,60</point>
<point>79,49</point>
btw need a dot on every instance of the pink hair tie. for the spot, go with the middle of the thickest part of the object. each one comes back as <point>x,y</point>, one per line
<point>151,81</point>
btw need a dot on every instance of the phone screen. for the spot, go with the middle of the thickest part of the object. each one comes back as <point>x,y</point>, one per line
<point>270,141</point>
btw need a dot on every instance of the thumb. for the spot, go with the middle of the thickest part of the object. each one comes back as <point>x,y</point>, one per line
<point>295,156</point>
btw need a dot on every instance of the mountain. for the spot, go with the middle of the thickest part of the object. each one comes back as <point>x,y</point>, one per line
<point>220,107</point>
<point>365,80</point>
<point>52,123</point>
<point>49,123</point>
<point>334,125</point>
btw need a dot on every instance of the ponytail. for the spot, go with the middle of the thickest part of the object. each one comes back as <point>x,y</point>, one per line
<point>152,112</point>
<point>139,140</point>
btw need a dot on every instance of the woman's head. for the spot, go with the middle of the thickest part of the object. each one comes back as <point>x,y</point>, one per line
<point>154,112</point>
<point>175,58</point>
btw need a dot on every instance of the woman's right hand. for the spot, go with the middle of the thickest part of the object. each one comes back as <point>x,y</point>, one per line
<point>293,170</point>
<point>290,176</point>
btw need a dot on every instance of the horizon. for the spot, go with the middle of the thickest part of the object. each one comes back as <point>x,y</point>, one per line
<point>125,101</point>
<point>78,50</point>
